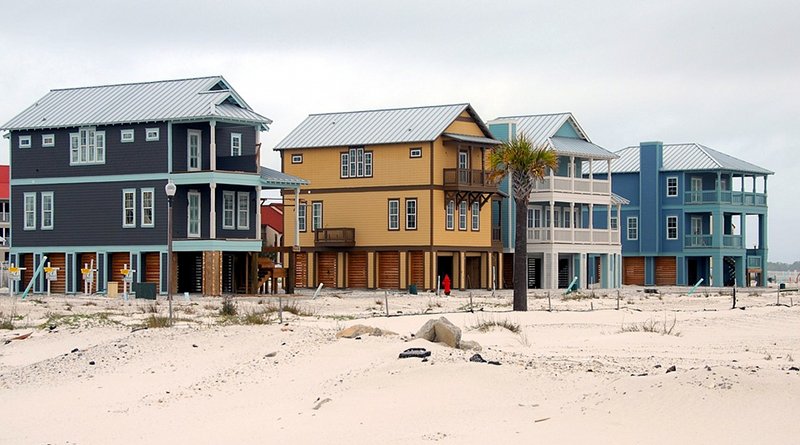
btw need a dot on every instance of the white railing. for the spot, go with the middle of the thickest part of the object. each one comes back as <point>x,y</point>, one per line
<point>541,235</point>
<point>572,185</point>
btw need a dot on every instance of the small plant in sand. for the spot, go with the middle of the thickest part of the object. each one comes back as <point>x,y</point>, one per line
<point>156,321</point>
<point>90,303</point>
<point>296,309</point>
<point>151,308</point>
<point>653,326</point>
<point>486,325</point>
<point>6,321</point>
<point>789,358</point>
<point>188,310</point>
<point>228,308</point>
<point>767,356</point>
<point>257,316</point>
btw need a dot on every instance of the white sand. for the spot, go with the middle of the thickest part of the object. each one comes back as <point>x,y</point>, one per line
<point>569,376</point>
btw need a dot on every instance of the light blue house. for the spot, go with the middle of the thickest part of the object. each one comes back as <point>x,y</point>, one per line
<point>688,215</point>
<point>572,216</point>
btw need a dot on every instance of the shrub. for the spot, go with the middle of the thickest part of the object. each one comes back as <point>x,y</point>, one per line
<point>228,307</point>
<point>156,321</point>
<point>488,325</point>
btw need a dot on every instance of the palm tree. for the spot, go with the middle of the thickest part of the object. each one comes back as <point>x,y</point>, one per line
<point>526,163</point>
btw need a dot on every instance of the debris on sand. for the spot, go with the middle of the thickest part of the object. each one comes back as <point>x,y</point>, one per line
<point>415,353</point>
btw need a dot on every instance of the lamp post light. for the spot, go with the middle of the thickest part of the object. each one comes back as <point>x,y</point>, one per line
<point>170,189</point>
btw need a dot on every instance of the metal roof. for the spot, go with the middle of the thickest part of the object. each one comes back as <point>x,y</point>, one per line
<point>542,129</point>
<point>390,126</point>
<point>169,100</point>
<point>475,139</point>
<point>684,157</point>
<point>274,179</point>
<point>617,199</point>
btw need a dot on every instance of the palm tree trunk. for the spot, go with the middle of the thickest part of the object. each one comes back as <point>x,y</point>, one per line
<point>521,255</point>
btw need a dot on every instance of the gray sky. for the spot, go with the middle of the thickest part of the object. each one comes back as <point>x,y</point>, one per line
<point>714,72</point>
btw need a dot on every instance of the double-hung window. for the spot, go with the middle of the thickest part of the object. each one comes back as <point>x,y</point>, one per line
<point>462,215</point>
<point>672,186</point>
<point>394,214</point>
<point>301,218</point>
<point>193,149</point>
<point>47,210</point>
<point>147,202</point>
<point>476,216</point>
<point>193,212</point>
<point>672,227</point>
<point>411,214</point>
<point>355,163</point>
<point>613,223</point>
<point>530,218</point>
<point>87,146</point>
<point>30,211</point>
<point>449,216</point>
<point>236,144</point>
<point>243,210</point>
<point>316,215</point>
<point>633,228</point>
<point>228,210</point>
<point>129,208</point>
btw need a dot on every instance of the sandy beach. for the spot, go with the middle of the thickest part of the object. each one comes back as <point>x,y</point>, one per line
<point>581,372</point>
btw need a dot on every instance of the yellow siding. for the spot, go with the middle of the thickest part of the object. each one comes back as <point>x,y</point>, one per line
<point>442,237</point>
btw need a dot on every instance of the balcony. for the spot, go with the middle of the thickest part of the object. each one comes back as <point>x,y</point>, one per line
<point>461,179</point>
<point>725,197</point>
<point>563,184</point>
<point>542,235</point>
<point>707,241</point>
<point>339,237</point>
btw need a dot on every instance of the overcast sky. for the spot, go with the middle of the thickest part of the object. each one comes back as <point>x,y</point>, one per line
<point>714,72</point>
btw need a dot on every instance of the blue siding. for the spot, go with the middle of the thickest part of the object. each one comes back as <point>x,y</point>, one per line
<point>650,228</point>
<point>567,131</point>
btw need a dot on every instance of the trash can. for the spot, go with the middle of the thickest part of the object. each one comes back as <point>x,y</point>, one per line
<point>146,291</point>
<point>412,289</point>
<point>782,286</point>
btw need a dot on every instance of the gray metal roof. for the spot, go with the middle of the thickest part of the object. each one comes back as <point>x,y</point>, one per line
<point>617,199</point>
<point>542,128</point>
<point>684,157</point>
<point>475,139</point>
<point>169,100</point>
<point>390,126</point>
<point>274,179</point>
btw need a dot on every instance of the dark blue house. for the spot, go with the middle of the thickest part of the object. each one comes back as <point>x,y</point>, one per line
<point>688,216</point>
<point>88,173</point>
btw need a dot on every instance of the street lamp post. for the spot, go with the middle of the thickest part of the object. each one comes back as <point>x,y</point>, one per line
<point>170,189</point>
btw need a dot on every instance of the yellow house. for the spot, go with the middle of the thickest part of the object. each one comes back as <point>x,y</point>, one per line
<point>396,197</point>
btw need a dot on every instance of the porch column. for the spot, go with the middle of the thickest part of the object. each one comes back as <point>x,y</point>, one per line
<point>717,270</point>
<point>572,217</point>
<point>572,173</point>
<point>591,175</point>
<point>582,261</point>
<point>297,217</point>
<point>741,271</point>
<point>619,223</point>
<point>591,222</point>
<point>552,221</point>
<point>212,224</point>
<point>743,229</point>
<point>765,184</point>
<point>719,186</point>
<point>213,145</point>
<point>608,222</point>
<point>258,213</point>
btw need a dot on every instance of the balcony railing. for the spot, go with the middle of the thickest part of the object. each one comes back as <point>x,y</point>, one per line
<point>562,235</point>
<point>572,185</point>
<point>732,241</point>
<point>466,179</point>
<point>725,197</point>
<point>694,241</point>
<point>707,241</point>
<point>338,237</point>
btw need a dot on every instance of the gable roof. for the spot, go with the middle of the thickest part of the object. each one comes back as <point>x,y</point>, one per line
<point>272,215</point>
<point>168,100</point>
<point>389,126</point>
<point>544,128</point>
<point>683,157</point>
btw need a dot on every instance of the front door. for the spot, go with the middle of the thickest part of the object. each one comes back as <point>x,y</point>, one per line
<point>463,167</point>
<point>193,142</point>
<point>697,189</point>
<point>697,231</point>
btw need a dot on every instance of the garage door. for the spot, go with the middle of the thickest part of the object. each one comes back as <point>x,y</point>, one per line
<point>152,272</point>
<point>389,270</point>
<point>58,260</point>
<point>666,271</point>
<point>417,260</point>
<point>118,261</point>
<point>326,268</point>
<point>301,269</point>
<point>633,268</point>
<point>357,269</point>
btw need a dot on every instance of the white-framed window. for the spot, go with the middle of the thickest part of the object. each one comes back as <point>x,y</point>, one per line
<point>530,218</point>
<point>614,223</point>
<point>355,163</point>
<point>394,214</point>
<point>236,144</point>
<point>672,227</point>
<point>30,211</point>
<point>48,140</point>
<point>672,186</point>
<point>316,215</point>
<point>297,159</point>
<point>194,140</point>
<point>415,153</point>
<point>129,208</point>
<point>301,218</point>
<point>126,135</point>
<point>243,210</point>
<point>193,213</point>
<point>24,141</point>
<point>411,214</point>
<point>462,215</point>
<point>47,210</point>
<point>567,217</point>
<point>87,146</point>
<point>147,201</point>
<point>476,216</point>
<point>449,219</point>
<point>228,210</point>
<point>633,228</point>
<point>151,134</point>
